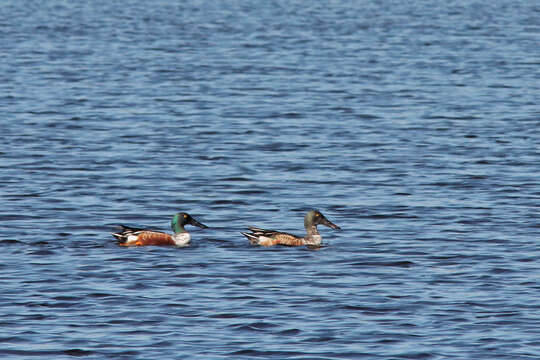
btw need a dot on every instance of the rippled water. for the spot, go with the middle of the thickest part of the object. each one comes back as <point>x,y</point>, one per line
<point>415,127</point>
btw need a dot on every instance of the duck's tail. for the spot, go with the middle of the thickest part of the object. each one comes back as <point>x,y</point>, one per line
<point>122,236</point>
<point>253,239</point>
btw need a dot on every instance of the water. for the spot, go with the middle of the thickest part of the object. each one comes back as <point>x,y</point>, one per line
<point>414,127</point>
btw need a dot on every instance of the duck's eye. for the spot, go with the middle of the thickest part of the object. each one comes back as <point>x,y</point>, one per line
<point>317,214</point>
<point>185,216</point>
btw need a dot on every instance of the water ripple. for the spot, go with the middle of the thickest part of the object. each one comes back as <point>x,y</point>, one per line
<point>412,127</point>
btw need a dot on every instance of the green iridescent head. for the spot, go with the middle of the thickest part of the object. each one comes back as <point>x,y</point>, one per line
<point>180,219</point>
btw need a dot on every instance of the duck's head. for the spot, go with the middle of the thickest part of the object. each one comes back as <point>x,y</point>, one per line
<point>180,219</point>
<point>315,217</point>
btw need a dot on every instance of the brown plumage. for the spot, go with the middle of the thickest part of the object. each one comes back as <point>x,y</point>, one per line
<point>147,238</point>
<point>266,237</point>
<point>272,237</point>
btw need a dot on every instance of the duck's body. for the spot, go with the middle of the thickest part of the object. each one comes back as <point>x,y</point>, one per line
<point>266,237</point>
<point>143,237</point>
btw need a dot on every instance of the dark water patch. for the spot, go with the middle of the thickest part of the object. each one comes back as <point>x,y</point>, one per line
<point>417,355</point>
<point>227,316</point>
<point>250,192</point>
<point>11,242</point>
<point>403,264</point>
<point>236,179</point>
<point>357,308</point>
<point>321,339</point>
<point>139,286</point>
<point>15,197</point>
<point>318,182</point>
<point>34,353</point>
<point>498,270</point>
<point>287,115</point>
<point>254,327</point>
<point>99,295</point>
<point>133,324</point>
<point>53,304</point>
<point>388,341</point>
<point>507,314</point>
<point>266,354</point>
<point>290,332</point>
<point>78,352</point>
<point>66,298</point>
<point>20,217</point>
<point>42,252</point>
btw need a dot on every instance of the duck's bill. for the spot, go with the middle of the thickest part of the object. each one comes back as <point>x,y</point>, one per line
<point>325,221</point>
<point>198,224</point>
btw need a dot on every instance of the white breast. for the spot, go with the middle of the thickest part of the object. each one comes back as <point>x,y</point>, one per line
<point>314,239</point>
<point>181,239</point>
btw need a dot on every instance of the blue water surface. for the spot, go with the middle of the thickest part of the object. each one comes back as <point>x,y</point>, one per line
<point>412,125</point>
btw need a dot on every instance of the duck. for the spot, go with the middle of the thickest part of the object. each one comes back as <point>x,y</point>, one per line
<point>266,237</point>
<point>130,236</point>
